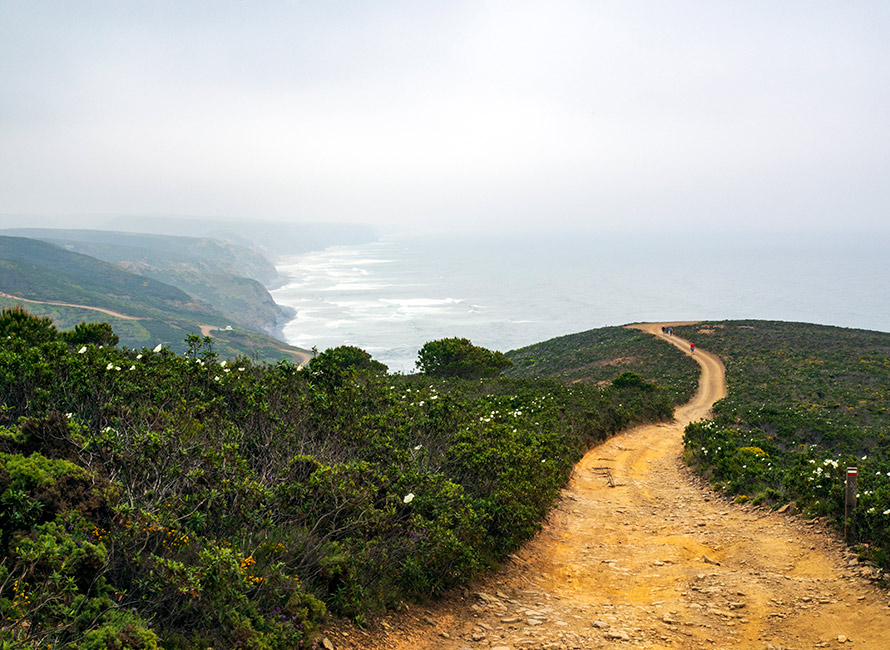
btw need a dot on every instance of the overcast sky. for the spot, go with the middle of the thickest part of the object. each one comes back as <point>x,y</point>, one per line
<point>599,114</point>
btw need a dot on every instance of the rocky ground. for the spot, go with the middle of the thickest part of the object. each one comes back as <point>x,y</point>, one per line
<point>640,554</point>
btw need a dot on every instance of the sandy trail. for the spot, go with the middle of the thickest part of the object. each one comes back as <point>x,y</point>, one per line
<point>658,561</point>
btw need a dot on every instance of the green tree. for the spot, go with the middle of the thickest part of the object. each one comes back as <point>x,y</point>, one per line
<point>91,333</point>
<point>17,323</point>
<point>457,357</point>
<point>334,365</point>
<point>631,380</point>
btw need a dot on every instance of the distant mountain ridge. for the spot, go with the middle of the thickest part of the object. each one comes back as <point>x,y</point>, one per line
<point>47,274</point>
<point>159,250</point>
<point>274,238</point>
<point>43,271</point>
<point>171,276</point>
<point>228,277</point>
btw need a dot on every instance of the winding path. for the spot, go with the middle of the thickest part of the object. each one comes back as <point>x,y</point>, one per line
<point>658,561</point>
<point>70,304</point>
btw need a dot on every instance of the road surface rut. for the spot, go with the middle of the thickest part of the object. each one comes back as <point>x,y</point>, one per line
<point>657,561</point>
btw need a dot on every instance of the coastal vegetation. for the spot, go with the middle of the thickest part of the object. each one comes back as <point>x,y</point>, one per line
<point>154,499</point>
<point>805,402</point>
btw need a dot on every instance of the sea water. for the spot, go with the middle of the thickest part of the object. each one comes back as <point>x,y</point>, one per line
<point>507,291</point>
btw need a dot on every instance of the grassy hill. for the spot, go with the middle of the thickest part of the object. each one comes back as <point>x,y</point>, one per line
<point>231,278</point>
<point>598,356</point>
<point>41,271</point>
<point>158,312</point>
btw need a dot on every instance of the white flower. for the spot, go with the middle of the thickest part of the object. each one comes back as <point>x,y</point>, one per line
<point>216,377</point>
<point>158,347</point>
<point>139,356</point>
<point>110,366</point>
<point>82,350</point>
<point>408,498</point>
<point>222,363</point>
<point>418,447</point>
<point>241,369</point>
<point>887,511</point>
<point>132,367</point>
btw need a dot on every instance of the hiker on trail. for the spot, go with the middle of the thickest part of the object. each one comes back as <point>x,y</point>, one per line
<point>692,348</point>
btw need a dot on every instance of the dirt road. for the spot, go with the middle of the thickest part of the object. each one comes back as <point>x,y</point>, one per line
<point>657,561</point>
<point>70,304</point>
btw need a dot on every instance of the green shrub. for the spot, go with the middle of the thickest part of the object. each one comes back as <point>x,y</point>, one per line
<point>457,357</point>
<point>91,334</point>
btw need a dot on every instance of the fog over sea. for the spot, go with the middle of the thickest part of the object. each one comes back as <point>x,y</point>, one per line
<point>507,291</point>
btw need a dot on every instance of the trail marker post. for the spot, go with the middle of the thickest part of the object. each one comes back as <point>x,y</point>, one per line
<point>850,501</point>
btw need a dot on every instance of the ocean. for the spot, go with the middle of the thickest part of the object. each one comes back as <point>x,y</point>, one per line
<point>507,291</point>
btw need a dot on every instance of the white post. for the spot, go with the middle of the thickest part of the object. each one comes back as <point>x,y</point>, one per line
<point>850,501</point>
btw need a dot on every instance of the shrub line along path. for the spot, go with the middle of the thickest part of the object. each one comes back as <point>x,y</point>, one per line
<point>658,561</point>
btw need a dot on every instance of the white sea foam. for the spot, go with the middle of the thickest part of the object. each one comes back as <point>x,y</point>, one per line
<point>420,302</point>
<point>355,286</point>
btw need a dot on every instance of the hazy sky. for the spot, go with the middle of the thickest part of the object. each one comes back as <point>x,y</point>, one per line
<point>624,114</point>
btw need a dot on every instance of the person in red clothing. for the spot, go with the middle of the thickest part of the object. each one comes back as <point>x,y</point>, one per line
<point>692,348</point>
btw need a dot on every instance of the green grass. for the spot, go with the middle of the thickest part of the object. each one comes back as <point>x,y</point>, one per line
<point>598,356</point>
